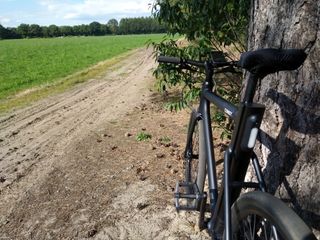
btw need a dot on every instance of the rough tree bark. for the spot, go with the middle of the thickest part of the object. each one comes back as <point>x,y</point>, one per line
<point>289,140</point>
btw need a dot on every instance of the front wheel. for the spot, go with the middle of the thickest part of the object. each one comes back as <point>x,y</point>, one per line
<point>259,215</point>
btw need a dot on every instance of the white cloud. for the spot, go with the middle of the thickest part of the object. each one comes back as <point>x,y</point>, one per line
<point>90,9</point>
<point>4,20</point>
<point>70,12</point>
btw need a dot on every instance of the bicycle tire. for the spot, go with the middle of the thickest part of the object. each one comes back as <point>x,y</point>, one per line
<point>196,167</point>
<point>255,212</point>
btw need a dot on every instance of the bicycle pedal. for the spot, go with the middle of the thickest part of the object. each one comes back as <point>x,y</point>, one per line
<point>187,196</point>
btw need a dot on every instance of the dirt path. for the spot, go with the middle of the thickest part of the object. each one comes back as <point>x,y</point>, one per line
<point>70,167</point>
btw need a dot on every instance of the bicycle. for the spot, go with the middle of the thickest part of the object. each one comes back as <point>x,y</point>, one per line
<point>251,215</point>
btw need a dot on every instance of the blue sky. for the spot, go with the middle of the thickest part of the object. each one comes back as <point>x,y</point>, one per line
<point>69,12</point>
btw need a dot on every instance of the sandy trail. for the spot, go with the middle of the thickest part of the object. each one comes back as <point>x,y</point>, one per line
<point>68,169</point>
<point>46,129</point>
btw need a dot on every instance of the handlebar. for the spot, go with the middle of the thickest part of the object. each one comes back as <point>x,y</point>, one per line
<point>166,59</point>
<point>180,61</point>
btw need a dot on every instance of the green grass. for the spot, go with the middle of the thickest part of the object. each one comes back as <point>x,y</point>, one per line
<point>143,136</point>
<point>29,63</point>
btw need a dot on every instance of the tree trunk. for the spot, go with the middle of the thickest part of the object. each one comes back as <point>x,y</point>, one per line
<point>289,141</point>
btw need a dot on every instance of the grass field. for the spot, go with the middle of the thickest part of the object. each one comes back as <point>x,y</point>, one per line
<point>28,63</point>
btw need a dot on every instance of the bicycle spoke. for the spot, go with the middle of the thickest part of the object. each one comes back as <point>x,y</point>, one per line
<point>265,229</point>
<point>252,227</point>
<point>274,233</point>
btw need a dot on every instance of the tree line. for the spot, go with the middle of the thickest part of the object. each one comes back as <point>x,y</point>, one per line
<point>140,25</point>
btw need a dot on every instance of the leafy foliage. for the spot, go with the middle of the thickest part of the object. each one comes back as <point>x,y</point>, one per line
<point>170,76</point>
<point>207,25</point>
<point>221,21</point>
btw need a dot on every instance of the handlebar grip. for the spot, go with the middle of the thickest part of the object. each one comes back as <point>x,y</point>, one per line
<point>173,60</point>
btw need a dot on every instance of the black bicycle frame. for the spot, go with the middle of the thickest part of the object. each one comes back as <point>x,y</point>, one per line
<point>248,117</point>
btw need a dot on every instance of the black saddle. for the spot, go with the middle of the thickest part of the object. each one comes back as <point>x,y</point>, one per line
<point>262,62</point>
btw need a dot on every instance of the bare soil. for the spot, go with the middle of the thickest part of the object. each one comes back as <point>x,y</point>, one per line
<point>71,167</point>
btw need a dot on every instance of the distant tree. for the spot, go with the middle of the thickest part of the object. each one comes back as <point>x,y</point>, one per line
<point>53,31</point>
<point>124,27</point>
<point>105,29</point>
<point>34,31</point>
<point>66,30</point>
<point>45,31</point>
<point>12,33</point>
<point>4,33</point>
<point>23,30</point>
<point>113,26</point>
<point>95,29</point>
<point>76,30</point>
<point>140,25</point>
<point>84,30</point>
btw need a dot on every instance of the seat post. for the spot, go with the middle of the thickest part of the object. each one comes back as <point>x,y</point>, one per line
<point>250,88</point>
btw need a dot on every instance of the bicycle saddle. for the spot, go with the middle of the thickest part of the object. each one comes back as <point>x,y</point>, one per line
<point>262,62</point>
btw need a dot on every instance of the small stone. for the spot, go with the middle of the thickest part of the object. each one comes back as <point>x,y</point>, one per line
<point>142,206</point>
<point>20,175</point>
<point>114,147</point>
<point>2,179</point>
<point>173,171</point>
<point>99,140</point>
<point>170,189</point>
<point>139,170</point>
<point>159,155</point>
<point>92,232</point>
<point>128,134</point>
<point>130,167</point>
<point>174,145</point>
<point>15,132</point>
<point>142,178</point>
<point>153,147</point>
